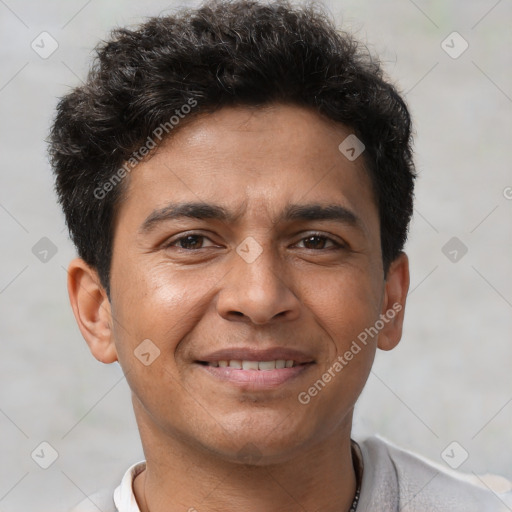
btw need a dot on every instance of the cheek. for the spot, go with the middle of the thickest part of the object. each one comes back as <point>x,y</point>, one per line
<point>344,303</point>
<point>161,305</point>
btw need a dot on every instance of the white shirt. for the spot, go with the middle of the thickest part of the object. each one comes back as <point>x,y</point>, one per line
<point>394,480</point>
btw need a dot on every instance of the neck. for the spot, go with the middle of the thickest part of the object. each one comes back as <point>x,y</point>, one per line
<point>180,477</point>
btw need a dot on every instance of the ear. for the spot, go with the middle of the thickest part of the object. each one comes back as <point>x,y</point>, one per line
<point>393,304</point>
<point>92,311</point>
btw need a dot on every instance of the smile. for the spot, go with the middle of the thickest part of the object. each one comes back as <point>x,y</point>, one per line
<point>253,365</point>
<point>252,376</point>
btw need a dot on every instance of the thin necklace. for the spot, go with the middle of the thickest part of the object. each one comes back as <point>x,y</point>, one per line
<point>358,468</point>
<point>353,507</point>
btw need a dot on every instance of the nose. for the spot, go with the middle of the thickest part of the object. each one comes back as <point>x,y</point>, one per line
<point>258,291</point>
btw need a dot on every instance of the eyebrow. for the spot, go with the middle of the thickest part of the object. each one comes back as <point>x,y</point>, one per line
<point>320,212</point>
<point>194,210</point>
<point>293,212</point>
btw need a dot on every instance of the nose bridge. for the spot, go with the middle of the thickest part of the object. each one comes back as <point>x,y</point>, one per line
<point>257,288</point>
<point>258,267</point>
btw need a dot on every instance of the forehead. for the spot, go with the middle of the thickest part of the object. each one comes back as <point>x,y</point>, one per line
<point>260,159</point>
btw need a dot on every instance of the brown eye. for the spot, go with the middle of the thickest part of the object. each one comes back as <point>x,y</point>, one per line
<point>190,242</point>
<point>317,242</point>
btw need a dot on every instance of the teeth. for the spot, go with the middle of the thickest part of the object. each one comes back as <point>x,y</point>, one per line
<point>250,365</point>
<point>254,365</point>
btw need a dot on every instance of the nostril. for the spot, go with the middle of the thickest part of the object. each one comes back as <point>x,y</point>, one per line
<point>236,313</point>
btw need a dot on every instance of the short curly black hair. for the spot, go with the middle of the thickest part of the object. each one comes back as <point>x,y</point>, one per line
<point>224,53</point>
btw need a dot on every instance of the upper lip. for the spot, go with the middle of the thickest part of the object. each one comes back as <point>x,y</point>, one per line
<point>252,354</point>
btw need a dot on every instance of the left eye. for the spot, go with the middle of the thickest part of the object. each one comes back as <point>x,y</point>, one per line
<point>317,242</point>
<point>189,242</point>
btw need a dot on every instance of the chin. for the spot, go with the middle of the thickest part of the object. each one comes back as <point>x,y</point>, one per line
<point>258,442</point>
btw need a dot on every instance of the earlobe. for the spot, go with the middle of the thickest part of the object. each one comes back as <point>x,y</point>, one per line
<point>92,311</point>
<point>393,305</point>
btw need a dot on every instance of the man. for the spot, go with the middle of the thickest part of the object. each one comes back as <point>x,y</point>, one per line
<point>238,181</point>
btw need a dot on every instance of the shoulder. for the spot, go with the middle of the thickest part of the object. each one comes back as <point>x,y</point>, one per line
<point>102,500</point>
<point>412,483</point>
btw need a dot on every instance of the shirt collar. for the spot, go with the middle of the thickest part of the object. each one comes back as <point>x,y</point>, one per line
<point>124,497</point>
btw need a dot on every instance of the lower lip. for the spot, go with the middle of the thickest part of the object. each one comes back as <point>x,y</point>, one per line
<point>256,379</point>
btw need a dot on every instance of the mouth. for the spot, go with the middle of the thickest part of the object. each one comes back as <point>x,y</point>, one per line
<point>253,370</point>
<point>275,364</point>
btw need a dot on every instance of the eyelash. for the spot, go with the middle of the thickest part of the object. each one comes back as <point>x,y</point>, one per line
<point>336,245</point>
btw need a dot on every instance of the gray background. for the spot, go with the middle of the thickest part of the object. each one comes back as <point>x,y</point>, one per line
<point>450,378</point>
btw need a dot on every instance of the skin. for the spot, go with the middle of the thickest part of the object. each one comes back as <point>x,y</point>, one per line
<point>194,296</point>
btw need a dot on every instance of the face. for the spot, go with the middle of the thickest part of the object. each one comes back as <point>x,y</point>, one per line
<point>247,251</point>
